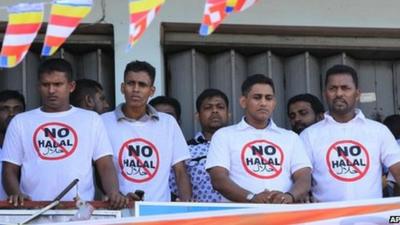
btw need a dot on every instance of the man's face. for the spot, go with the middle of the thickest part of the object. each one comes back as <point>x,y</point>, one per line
<point>55,89</point>
<point>341,94</point>
<point>8,110</point>
<point>213,114</point>
<point>259,103</point>
<point>301,116</point>
<point>100,104</point>
<point>166,108</point>
<point>137,88</point>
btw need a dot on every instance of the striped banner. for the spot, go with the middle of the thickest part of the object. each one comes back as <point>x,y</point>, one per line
<point>371,211</point>
<point>141,13</point>
<point>238,5</point>
<point>65,16</point>
<point>24,21</point>
<point>214,14</point>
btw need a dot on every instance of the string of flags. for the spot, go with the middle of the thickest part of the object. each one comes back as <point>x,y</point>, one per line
<point>25,20</point>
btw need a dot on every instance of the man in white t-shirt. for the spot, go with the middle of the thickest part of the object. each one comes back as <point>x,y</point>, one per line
<point>11,103</point>
<point>48,147</point>
<point>256,161</point>
<point>346,149</point>
<point>146,143</point>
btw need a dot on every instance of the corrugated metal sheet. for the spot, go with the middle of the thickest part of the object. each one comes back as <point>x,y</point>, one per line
<point>191,71</point>
<point>94,65</point>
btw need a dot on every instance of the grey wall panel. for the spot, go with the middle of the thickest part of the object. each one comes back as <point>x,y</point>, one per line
<point>367,79</point>
<point>12,78</point>
<point>30,86</point>
<point>384,88</point>
<point>396,85</point>
<point>292,75</point>
<point>376,81</point>
<point>302,75</point>
<point>227,72</point>
<point>271,65</point>
<point>23,78</point>
<point>189,77</point>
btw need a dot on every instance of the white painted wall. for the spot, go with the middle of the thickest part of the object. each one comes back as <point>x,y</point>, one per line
<point>336,13</point>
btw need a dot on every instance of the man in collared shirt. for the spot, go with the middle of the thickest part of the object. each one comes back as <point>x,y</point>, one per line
<point>254,160</point>
<point>212,113</point>
<point>346,149</point>
<point>146,143</point>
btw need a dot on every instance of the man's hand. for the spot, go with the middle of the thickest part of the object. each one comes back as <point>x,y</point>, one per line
<point>134,197</point>
<point>275,197</point>
<point>18,199</point>
<point>117,200</point>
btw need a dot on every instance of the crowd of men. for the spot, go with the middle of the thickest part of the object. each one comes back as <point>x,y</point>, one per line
<point>140,146</point>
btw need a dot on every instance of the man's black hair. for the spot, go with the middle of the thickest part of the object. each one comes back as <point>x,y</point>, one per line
<point>209,93</point>
<point>393,123</point>
<point>138,66</point>
<point>256,79</point>
<point>56,64</point>
<point>315,103</point>
<point>83,88</point>
<point>12,94</point>
<point>342,69</point>
<point>167,101</point>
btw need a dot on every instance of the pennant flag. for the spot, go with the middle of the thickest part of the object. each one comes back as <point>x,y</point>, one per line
<point>65,16</point>
<point>24,21</point>
<point>214,14</point>
<point>238,5</point>
<point>141,13</point>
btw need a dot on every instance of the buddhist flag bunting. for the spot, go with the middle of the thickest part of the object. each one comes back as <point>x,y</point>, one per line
<point>142,13</point>
<point>24,21</point>
<point>238,5</point>
<point>214,14</point>
<point>65,16</point>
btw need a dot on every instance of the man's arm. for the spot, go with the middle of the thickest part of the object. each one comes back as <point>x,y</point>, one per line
<point>395,172</point>
<point>183,182</point>
<point>223,184</point>
<point>10,176</point>
<point>109,181</point>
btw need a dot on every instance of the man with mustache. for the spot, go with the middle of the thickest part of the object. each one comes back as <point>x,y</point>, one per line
<point>348,150</point>
<point>303,111</point>
<point>212,107</point>
<point>146,143</point>
<point>256,161</point>
<point>11,103</point>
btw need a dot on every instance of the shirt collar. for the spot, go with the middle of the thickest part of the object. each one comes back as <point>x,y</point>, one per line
<point>151,114</point>
<point>243,125</point>
<point>199,138</point>
<point>359,117</point>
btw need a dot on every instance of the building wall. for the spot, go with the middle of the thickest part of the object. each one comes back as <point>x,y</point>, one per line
<point>325,13</point>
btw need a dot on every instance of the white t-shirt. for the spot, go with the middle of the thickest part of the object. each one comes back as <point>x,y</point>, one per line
<point>144,152</point>
<point>347,157</point>
<point>258,159</point>
<point>3,195</point>
<point>53,149</point>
